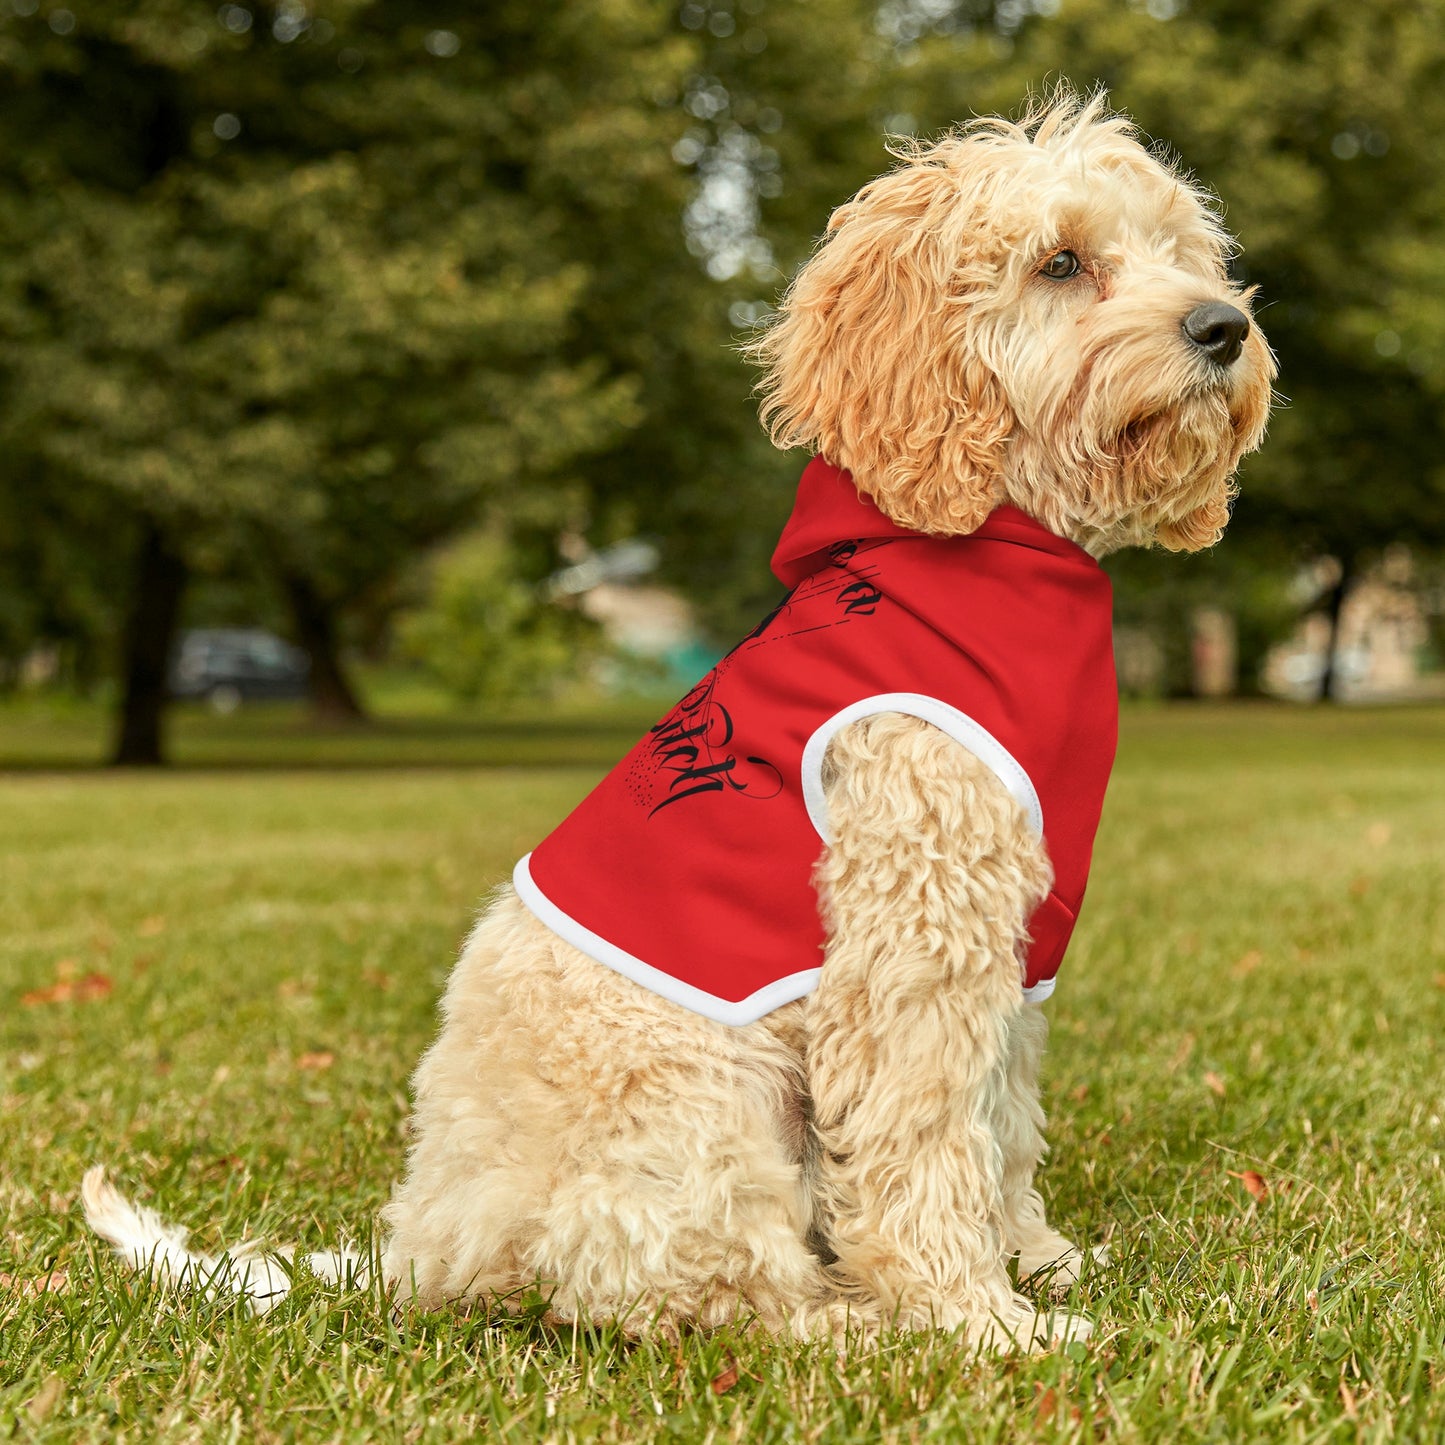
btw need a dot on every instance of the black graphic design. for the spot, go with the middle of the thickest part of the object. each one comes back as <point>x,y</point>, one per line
<point>694,751</point>
<point>690,744</point>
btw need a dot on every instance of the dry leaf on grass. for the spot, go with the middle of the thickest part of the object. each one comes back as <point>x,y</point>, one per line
<point>1214,1083</point>
<point>151,927</point>
<point>1046,1407</point>
<point>1255,1183</point>
<point>66,990</point>
<point>724,1382</point>
<point>56,1282</point>
<point>1248,963</point>
<point>320,1059</point>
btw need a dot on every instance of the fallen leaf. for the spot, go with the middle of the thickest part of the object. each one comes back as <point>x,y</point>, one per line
<point>151,927</point>
<point>724,1382</point>
<point>377,978</point>
<point>1214,1083</point>
<point>56,1282</point>
<point>1046,1408</point>
<point>1359,887</point>
<point>1248,963</point>
<point>82,990</point>
<point>56,993</point>
<point>1377,834</point>
<point>1080,1094</point>
<point>320,1059</point>
<point>1254,1183</point>
<point>1440,980</point>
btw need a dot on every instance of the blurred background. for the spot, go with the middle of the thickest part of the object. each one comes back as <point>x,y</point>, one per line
<point>363,359</point>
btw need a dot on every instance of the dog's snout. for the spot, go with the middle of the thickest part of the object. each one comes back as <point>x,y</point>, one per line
<point>1218,330</point>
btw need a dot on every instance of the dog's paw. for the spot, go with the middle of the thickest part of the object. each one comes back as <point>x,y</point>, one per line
<point>1023,1326</point>
<point>1060,1327</point>
<point>1057,1268</point>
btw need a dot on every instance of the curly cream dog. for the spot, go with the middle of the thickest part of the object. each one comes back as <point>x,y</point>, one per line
<point>1034,315</point>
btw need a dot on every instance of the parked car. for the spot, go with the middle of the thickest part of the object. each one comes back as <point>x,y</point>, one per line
<point>230,665</point>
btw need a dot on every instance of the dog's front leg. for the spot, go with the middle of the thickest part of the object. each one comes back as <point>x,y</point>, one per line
<point>927,885</point>
<point>1042,1251</point>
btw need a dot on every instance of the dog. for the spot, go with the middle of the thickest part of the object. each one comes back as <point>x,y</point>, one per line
<point>699,1065</point>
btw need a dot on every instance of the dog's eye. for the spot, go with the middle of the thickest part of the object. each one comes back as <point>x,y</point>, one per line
<point>1060,266</point>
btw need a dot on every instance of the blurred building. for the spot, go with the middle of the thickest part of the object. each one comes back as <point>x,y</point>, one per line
<point>653,631</point>
<point>1382,650</point>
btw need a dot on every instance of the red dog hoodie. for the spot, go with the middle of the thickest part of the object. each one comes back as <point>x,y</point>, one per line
<point>689,868</point>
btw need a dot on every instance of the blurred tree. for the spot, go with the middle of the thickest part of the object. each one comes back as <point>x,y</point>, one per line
<point>484,632</point>
<point>320,285</point>
<point>309,288</point>
<point>780,114</point>
<point>306,284</point>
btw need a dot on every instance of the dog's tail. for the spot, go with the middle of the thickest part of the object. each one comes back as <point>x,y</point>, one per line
<point>147,1243</point>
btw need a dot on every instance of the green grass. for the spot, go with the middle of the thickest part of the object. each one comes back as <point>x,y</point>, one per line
<point>409,729</point>
<point>1258,983</point>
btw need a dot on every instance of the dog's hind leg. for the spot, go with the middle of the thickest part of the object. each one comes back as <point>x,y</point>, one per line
<point>927,886</point>
<point>577,1135</point>
<point>1042,1251</point>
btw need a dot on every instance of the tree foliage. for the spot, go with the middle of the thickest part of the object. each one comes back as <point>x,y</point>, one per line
<point>485,632</point>
<point>299,290</point>
<point>312,290</point>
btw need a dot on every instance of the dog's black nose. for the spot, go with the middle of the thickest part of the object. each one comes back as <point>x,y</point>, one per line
<point>1218,331</point>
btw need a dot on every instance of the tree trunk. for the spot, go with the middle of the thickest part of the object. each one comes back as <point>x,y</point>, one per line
<point>1329,678</point>
<point>150,630</point>
<point>333,699</point>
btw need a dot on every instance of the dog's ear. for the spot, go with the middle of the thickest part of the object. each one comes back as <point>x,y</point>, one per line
<point>874,358</point>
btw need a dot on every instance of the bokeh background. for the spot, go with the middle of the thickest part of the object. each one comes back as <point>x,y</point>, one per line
<point>405,335</point>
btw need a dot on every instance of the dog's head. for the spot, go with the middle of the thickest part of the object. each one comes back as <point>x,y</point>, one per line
<point>1036,313</point>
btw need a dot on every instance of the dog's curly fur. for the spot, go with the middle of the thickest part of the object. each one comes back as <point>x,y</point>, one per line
<point>865,1156</point>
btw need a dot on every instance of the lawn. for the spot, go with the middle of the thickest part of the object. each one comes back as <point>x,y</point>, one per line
<point>216,980</point>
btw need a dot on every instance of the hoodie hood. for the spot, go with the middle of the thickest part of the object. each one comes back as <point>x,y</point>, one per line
<point>829,509</point>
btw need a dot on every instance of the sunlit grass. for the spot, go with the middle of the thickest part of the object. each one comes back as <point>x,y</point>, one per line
<point>231,972</point>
